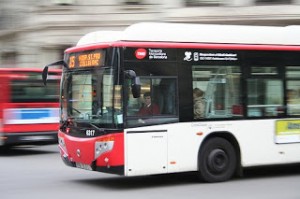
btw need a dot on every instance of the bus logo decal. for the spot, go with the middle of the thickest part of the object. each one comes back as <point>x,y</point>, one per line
<point>157,54</point>
<point>140,53</point>
<point>188,56</point>
<point>210,56</point>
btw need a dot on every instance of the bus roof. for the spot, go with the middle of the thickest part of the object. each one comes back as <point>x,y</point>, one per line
<point>198,33</point>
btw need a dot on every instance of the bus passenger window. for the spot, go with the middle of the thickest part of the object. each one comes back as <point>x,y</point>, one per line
<point>293,90</point>
<point>216,89</point>
<point>293,102</point>
<point>264,97</point>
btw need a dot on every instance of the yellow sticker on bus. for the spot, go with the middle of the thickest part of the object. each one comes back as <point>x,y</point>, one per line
<point>287,131</point>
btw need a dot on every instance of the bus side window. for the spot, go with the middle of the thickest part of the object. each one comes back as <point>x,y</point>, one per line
<point>293,102</point>
<point>265,93</point>
<point>166,96</point>
<point>293,90</point>
<point>134,104</point>
<point>264,104</point>
<point>162,93</point>
<point>217,90</point>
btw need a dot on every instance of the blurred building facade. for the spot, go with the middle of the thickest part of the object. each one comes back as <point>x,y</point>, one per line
<point>35,32</point>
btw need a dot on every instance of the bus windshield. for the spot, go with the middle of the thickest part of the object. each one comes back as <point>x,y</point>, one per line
<point>87,96</point>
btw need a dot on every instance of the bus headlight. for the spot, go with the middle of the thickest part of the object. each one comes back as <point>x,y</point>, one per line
<point>102,147</point>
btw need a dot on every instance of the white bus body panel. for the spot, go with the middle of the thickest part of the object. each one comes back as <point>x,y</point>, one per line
<point>257,140</point>
<point>164,149</point>
<point>149,151</point>
<point>198,33</point>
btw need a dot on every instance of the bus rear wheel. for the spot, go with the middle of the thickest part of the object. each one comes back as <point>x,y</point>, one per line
<point>217,160</point>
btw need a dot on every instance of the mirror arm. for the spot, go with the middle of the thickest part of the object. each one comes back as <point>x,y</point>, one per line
<point>45,70</point>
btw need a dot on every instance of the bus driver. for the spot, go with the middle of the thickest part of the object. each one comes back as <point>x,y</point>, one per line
<point>148,107</point>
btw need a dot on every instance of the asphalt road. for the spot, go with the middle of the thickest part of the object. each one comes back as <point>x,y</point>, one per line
<point>37,172</point>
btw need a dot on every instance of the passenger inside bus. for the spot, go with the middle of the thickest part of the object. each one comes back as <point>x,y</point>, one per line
<point>292,96</point>
<point>199,103</point>
<point>148,107</point>
<point>293,102</point>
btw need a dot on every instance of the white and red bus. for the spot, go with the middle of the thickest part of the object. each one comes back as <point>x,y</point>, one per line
<point>250,77</point>
<point>29,113</point>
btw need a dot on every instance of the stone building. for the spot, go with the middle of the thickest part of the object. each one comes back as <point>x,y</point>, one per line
<point>35,32</point>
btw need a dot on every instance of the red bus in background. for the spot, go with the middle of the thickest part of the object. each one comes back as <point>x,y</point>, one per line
<point>29,112</point>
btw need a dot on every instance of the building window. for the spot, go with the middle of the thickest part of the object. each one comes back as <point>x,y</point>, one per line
<point>63,2</point>
<point>191,3</point>
<point>133,2</point>
<point>9,59</point>
<point>267,2</point>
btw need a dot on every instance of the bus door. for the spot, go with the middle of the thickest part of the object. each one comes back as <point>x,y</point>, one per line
<point>146,135</point>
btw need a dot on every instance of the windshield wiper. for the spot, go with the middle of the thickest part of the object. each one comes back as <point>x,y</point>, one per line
<point>96,127</point>
<point>75,110</point>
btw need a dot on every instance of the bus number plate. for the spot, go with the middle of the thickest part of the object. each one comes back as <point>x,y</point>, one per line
<point>83,166</point>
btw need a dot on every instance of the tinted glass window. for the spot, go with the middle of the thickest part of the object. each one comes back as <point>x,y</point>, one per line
<point>157,103</point>
<point>265,92</point>
<point>28,87</point>
<point>216,92</point>
<point>293,90</point>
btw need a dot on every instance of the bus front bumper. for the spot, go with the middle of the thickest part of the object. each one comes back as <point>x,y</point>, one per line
<point>96,154</point>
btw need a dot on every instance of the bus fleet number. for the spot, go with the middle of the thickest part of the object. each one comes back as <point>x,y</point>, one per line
<point>90,132</point>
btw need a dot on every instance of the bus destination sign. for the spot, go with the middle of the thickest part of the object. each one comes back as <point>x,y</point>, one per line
<point>86,59</point>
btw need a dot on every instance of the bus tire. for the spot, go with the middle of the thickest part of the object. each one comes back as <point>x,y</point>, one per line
<point>217,160</point>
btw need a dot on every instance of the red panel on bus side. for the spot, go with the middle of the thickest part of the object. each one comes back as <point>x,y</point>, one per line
<point>79,149</point>
<point>115,157</point>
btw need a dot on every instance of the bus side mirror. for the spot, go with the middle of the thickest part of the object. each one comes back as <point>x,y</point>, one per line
<point>135,83</point>
<point>45,75</point>
<point>45,71</point>
<point>136,87</point>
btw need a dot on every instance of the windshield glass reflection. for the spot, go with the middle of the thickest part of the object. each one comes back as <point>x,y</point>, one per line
<point>88,96</point>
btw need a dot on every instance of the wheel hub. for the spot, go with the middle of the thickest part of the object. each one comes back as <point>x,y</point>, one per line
<point>217,161</point>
